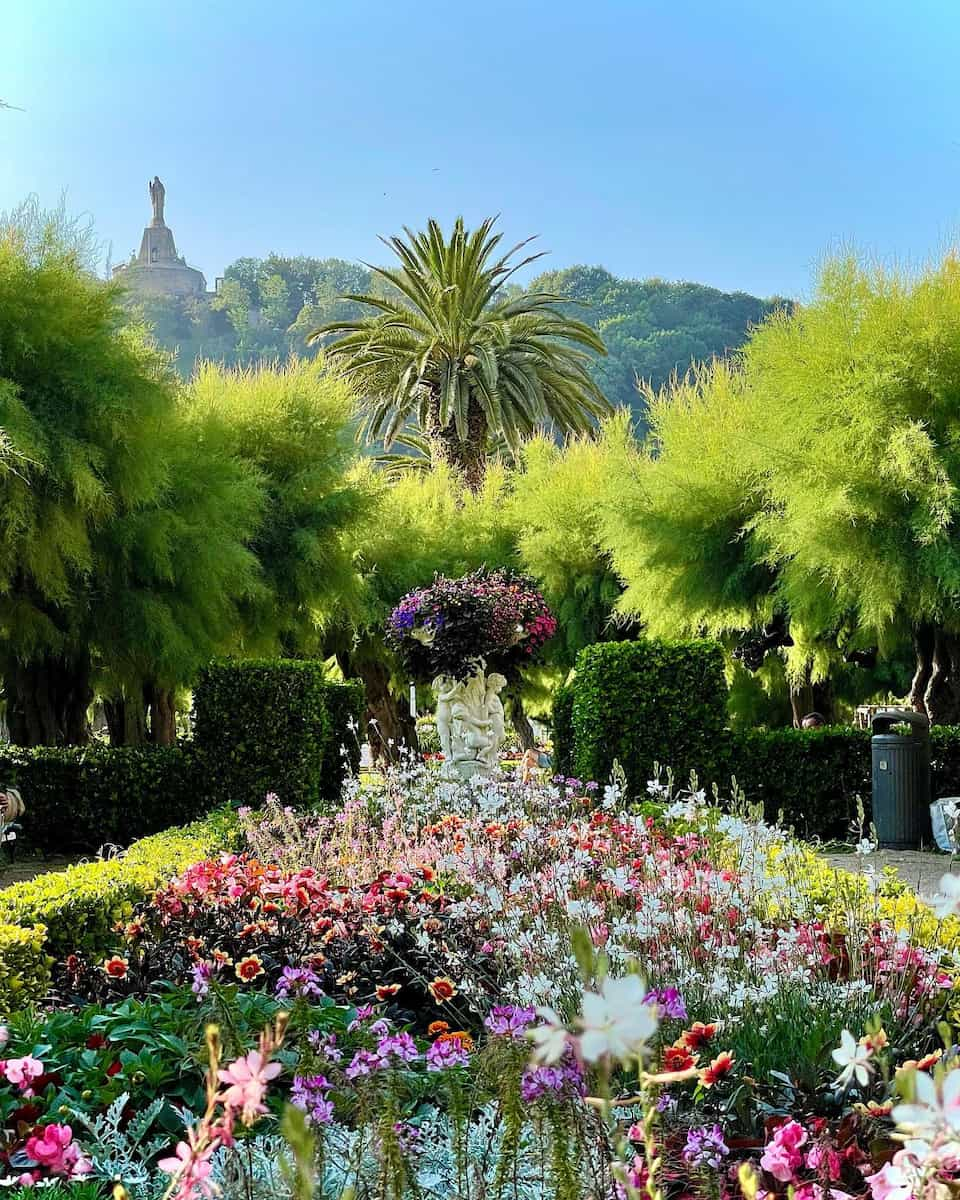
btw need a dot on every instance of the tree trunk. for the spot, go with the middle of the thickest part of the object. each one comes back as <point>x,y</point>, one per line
<point>47,701</point>
<point>163,714</point>
<point>126,719</point>
<point>519,719</point>
<point>936,682</point>
<point>469,456</point>
<point>389,724</point>
<point>812,698</point>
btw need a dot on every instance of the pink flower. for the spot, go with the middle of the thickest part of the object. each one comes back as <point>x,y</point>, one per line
<point>248,1078</point>
<point>892,1182</point>
<point>54,1149</point>
<point>782,1157</point>
<point>22,1071</point>
<point>191,1167</point>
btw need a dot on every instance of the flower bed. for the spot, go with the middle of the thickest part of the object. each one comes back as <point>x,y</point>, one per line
<point>501,990</point>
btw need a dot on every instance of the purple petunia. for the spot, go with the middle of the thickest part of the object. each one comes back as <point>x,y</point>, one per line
<point>298,981</point>
<point>309,1093</point>
<point>668,1003</point>
<point>705,1147</point>
<point>508,1020</point>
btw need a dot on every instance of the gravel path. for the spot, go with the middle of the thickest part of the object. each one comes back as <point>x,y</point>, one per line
<point>921,869</point>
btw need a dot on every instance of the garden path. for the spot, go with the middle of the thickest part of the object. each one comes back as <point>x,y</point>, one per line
<point>22,869</point>
<point>920,869</point>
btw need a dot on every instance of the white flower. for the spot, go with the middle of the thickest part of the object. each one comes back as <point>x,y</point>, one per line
<point>947,902</point>
<point>616,1022</point>
<point>855,1060</point>
<point>549,1040</point>
<point>865,846</point>
<point>934,1108</point>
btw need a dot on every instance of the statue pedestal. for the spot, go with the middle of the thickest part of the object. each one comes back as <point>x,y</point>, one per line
<point>470,723</point>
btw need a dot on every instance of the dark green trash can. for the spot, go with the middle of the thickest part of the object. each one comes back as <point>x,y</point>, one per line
<point>901,778</point>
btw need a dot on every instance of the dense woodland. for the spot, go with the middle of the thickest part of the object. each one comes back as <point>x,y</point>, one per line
<point>267,307</point>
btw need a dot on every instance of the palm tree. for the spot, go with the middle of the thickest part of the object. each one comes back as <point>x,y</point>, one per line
<point>447,350</point>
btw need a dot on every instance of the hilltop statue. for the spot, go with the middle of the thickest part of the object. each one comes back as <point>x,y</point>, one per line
<point>157,194</point>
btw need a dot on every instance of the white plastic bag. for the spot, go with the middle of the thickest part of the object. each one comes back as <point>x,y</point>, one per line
<point>944,814</point>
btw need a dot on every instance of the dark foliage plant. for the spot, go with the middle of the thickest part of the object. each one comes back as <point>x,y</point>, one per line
<point>496,619</point>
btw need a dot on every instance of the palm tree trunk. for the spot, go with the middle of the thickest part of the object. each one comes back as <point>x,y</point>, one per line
<point>467,457</point>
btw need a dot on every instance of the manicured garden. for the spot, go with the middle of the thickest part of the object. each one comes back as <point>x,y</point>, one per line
<point>493,988</point>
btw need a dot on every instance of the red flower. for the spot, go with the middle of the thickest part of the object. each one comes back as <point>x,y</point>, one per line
<point>442,989</point>
<point>114,1069</point>
<point>116,967</point>
<point>96,1041</point>
<point>697,1036</point>
<point>719,1069</point>
<point>386,990</point>
<point>678,1058</point>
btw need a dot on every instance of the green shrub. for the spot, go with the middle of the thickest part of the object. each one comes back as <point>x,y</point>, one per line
<point>346,712</point>
<point>80,906</point>
<point>563,750</point>
<point>644,702</point>
<point>81,797</point>
<point>812,777</point>
<point>24,966</point>
<point>262,726</point>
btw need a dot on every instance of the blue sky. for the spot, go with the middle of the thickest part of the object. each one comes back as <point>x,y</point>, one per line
<point>726,141</point>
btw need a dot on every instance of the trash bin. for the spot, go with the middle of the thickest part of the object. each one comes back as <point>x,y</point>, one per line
<point>901,778</point>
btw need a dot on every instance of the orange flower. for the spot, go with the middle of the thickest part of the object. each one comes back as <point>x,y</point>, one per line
<point>921,1064</point>
<point>437,1027</point>
<point>873,1109</point>
<point>386,990</point>
<point>249,968</point>
<point>133,930</point>
<point>697,1036</point>
<point>442,989</point>
<point>222,959</point>
<point>678,1058</point>
<point>719,1069</point>
<point>116,967</point>
<point>457,1035</point>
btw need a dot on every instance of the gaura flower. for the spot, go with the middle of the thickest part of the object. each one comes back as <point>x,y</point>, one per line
<point>442,989</point>
<point>616,1022</point>
<point>854,1057</point>
<point>935,1106</point>
<point>947,901</point>
<point>247,1080</point>
<point>719,1069</point>
<point>116,967</point>
<point>249,968</point>
<point>549,1040</point>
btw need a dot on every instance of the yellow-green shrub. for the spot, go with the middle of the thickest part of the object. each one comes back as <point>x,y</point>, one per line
<point>24,966</point>
<point>80,906</point>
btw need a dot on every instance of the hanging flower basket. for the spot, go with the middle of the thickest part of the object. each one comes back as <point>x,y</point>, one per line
<point>494,620</point>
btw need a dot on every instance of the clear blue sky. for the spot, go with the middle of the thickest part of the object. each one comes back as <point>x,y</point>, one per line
<point>724,141</point>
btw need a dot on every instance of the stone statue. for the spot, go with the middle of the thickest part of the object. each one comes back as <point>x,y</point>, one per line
<point>470,722</point>
<point>157,194</point>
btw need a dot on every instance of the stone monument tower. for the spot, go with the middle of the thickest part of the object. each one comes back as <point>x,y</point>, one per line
<point>158,269</point>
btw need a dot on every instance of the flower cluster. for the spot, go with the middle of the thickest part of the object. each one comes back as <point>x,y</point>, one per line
<point>446,629</point>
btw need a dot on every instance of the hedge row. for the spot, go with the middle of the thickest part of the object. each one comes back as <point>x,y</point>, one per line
<point>647,702</point>
<point>276,726</point>
<point>80,798</point>
<point>47,918</point>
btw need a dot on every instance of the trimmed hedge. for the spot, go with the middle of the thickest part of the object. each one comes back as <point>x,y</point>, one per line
<point>347,711</point>
<point>82,797</point>
<point>641,703</point>
<point>563,729</point>
<point>80,906</point>
<point>262,726</point>
<point>647,701</point>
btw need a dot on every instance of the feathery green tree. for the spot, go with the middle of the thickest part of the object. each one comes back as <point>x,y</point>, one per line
<point>292,426</point>
<point>82,402</point>
<point>446,349</point>
<point>817,479</point>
